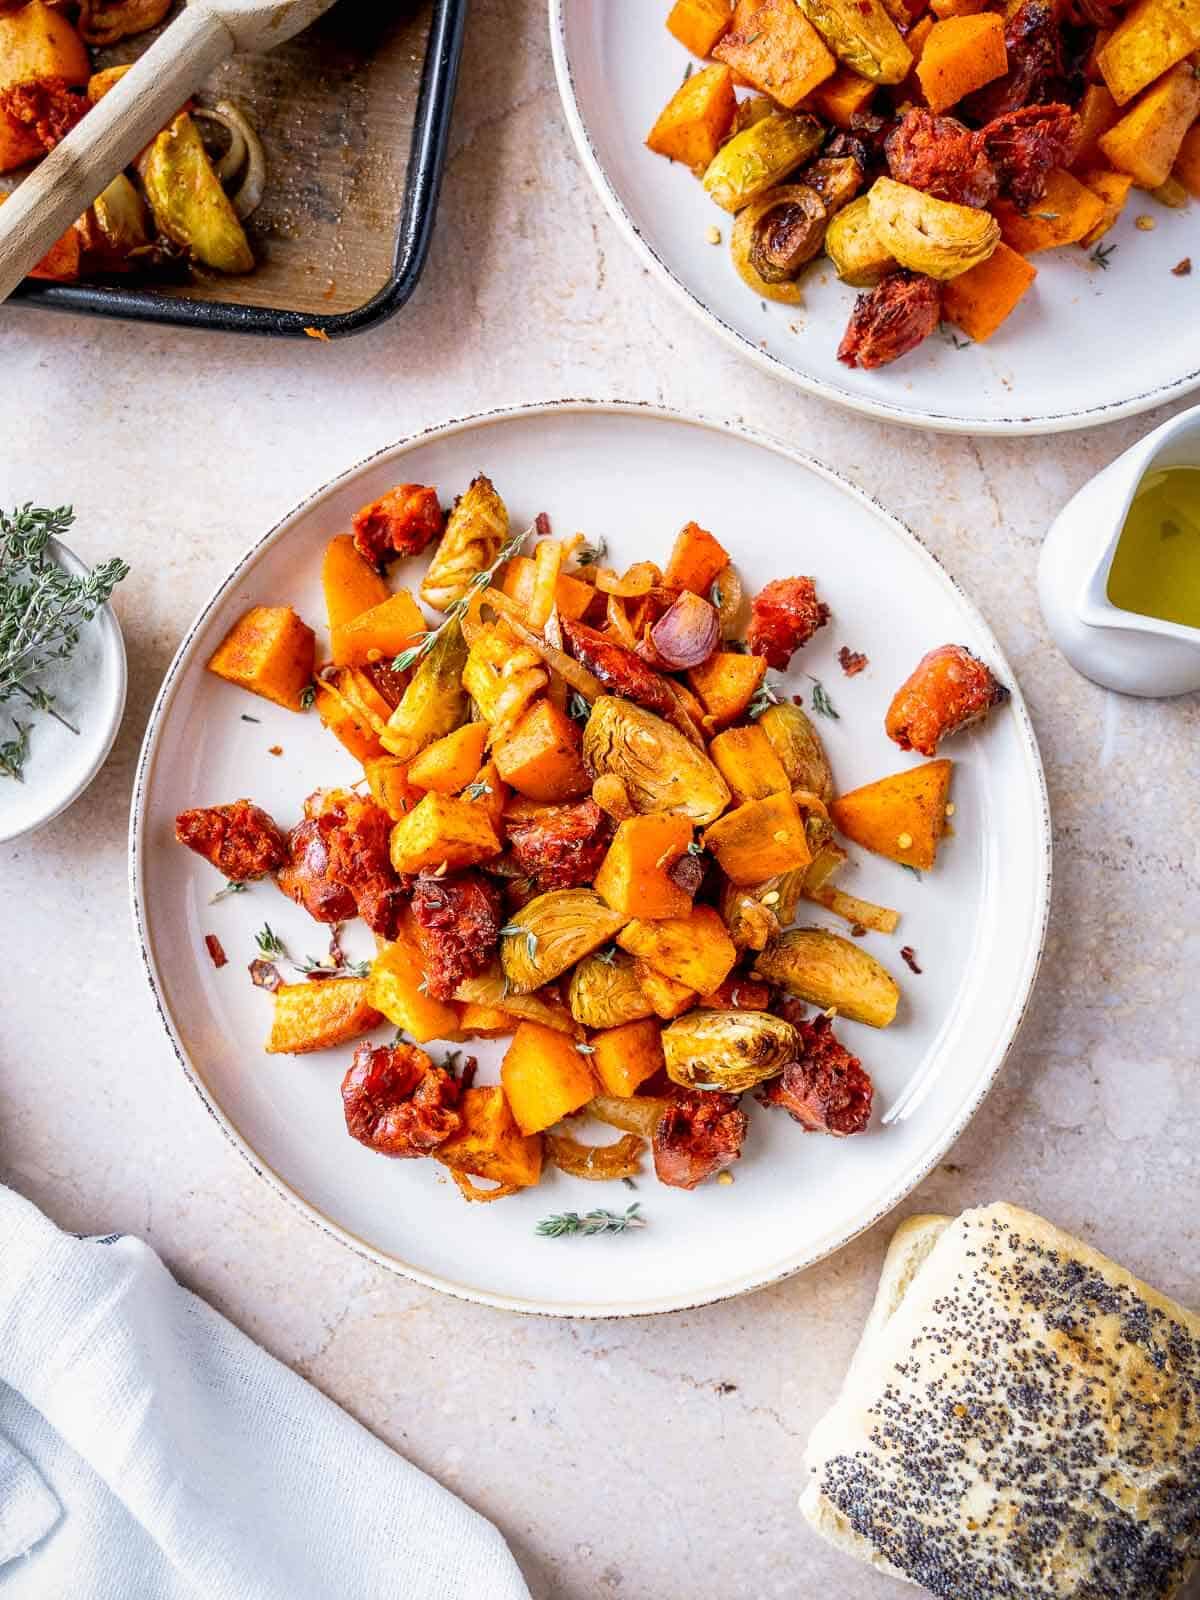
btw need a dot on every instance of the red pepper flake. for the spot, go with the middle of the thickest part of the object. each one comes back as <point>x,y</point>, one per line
<point>1182,269</point>
<point>542,523</point>
<point>274,749</point>
<point>797,699</point>
<point>853,661</point>
<point>217,955</point>
<point>909,956</point>
<point>857,931</point>
<point>265,975</point>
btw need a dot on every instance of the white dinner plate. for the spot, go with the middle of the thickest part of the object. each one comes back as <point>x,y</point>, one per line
<point>633,476</point>
<point>1086,345</point>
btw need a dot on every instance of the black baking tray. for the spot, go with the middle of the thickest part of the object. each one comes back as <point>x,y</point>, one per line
<point>355,117</point>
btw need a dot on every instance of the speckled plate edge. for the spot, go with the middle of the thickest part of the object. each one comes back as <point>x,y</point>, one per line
<point>751,1281</point>
<point>1050,422</point>
<point>113,645</point>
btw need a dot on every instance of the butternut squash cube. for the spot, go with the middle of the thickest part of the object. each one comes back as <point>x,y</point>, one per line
<point>747,761</point>
<point>1066,212</point>
<point>316,1016</point>
<point>448,765</point>
<point>695,950</point>
<point>773,46</point>
<point>626,1056</point>
<point>63,262</point>
<point>839,97</point>
<point>960,55</point>
<point>669,999</point>
<point>902,816</point>
<point>1097,112</point>
<point>696,119</point>
<point>269,651</point>
<point>633,875</point>
<point>1187,163</point>
<point>1148,138</point>
<point>980,299</point>
<point>759,840</point>
<point>489,1144</point>
<point>489,793</point>
<point>696,559</point>
<point>1112,190</point>
<point>544,1076</point>
<point>698,24</point>
<point>395,988</point>
<point>1151,37</point>
<point>485,1022</point>
<point>726,683</point>
<point>442,830</point>
<point>350,584</point>
<point>541,758</point>
<point>572,596</point>
<point>379,633</point>
<point>388,781</point>
<point>36,42</point>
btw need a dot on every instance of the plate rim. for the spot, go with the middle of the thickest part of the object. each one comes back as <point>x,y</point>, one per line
<point>747,1282</point>
<point>882,410</point>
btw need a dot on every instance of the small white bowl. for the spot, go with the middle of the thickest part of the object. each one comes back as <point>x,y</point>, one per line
<point>89,690</point>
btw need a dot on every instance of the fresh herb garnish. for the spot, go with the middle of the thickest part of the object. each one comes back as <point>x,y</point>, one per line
<point>764,698</point>
<point>822,704</point>
<point>579,707</point>
<point>269,942</point>
<point>695,848</point>
<point>715,595</point>
<point>588,555</point>
<point>308,696</point>
<point>510,931</point>
<point>476,791</point>
<point>916,871</point>
<point>246,717</point>
<point>607,956</point>
<point>42,609</point>
<point>231,887</point>
<point>1102,255</point>
<point>458,608</point>
<point>687,72</point>
<point>564,1224</point>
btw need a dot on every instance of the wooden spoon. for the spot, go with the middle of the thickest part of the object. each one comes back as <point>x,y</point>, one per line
<point>63,186</point>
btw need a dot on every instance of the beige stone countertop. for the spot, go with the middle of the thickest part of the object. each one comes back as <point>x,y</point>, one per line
<point>652,1458</point>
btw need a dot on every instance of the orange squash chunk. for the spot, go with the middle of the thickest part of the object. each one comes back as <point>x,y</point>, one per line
<point>696,119</point>
<point>698,24</point>
<point>1150,38</point>
<point>695,951</point>
<point>544,1076</point>
<point>774,46</point>
<point>541,757</point>
<point>1097,112</point>
<point>758,840</point>
<point>387,779</point>
<point>746,759</point>
<point>726,683</point>
<point>839,97</point>
<point>379,633</point>
<point>572,596</point>
<point>350,584</point>
<point>960,55</point>
<point>317,1016</point>
<point>395,987</point>
<point>449,763</point>
<point>1187,162</point>
<point>1147,140</point>
<point>980,300</point>
<point>1112,190</point>
<point>626,1056</point>
<point>669,999</point>
<point>696,559</point>
<point>269,651</point>
<point>442,830</point>
<point>485,1022</point>
<point>490,1145</point>
<point>902,817</point>
<point>1066,212</point>
<point>633,875</point>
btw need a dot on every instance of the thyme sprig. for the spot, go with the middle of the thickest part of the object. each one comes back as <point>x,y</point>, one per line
<point>821,702</point>
<point>457,609</point>
<point>43,607</point>
<point>564,1224</point>
<point>1102,255</point>
<point>765,696</point>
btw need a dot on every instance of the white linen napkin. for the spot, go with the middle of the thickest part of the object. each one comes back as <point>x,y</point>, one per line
<point>150,1451</point>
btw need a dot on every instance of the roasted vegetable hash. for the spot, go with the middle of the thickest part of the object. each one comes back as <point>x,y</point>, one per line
<point>589,824</point>
<point>929,148</point>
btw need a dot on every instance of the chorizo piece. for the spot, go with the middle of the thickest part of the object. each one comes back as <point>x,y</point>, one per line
<point>240,840</point>
<point>49,107</point>
<point>305,876</point>
<point>400,523</point>
<point>699,1134</point>
<point>397,1102</point>
<point>825,1090</point>
<point>618,669</point>
<point>1024,145</point>
<point>949,689</point>
<point>559,847</point>
<point>338,865</point>
<point>897,315</point>
<point>943,157</point>
<point>458,920</point>
<point>784,616</point>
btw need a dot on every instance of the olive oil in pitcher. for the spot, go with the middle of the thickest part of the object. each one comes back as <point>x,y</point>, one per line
<point>1155,569</point>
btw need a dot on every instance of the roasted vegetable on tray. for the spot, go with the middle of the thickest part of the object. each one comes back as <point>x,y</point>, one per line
<point>182,205</point>
<point>586,824</point>
<point>979,135</point>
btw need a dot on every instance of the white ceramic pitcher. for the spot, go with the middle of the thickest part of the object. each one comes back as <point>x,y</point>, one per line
<point>1119,649</point>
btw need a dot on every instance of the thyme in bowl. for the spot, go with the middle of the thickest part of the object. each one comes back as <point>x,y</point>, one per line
<point>42,610</point>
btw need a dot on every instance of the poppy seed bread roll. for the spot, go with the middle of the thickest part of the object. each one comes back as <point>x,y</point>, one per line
<point>1021,1421</point>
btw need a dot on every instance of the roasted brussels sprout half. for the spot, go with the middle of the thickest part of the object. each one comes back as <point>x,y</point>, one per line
<point>775,237</point>
<point>798,745</point>
<point>727,1050</point>
<point>860,33</point>
<point>189,204</point>
<point>661,770</point>
<point>435,702</point>
<point>604,992</point>
<point>759,157</point>
<point>837,179</point>
<point>551,933</point>
<point>755,916</point>
<point>936,237</point>
<point>827,970</point>
<point>474,532</point>
<point>853,246</point>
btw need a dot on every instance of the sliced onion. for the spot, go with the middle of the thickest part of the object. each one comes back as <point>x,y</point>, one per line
<point>729,586</point>
<point>632,584</point>
<point>597,1161</point>
<point>588,685</point>
<point>639,1114</point>
<point>245,151</point>
<point>619,623</point>
<point>687,633</point>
